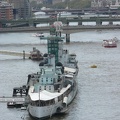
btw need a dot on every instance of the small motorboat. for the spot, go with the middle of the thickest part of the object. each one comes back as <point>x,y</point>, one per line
<point>38,35</point>
<point>109,43</point>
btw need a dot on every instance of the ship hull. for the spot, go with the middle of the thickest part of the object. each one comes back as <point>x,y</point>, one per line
<point>47,111</point>
<point>42,112</point>
<point>110,46</point>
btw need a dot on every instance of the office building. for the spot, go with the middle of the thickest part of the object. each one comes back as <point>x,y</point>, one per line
<point>21,8</point>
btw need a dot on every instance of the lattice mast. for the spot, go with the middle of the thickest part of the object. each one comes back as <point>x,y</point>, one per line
<point>54,41</point>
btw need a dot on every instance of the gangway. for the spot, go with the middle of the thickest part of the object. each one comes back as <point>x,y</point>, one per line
<point>15,102</point>
<point>12,99</point>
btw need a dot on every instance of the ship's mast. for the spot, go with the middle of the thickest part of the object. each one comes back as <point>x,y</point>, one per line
<point>53,41</point>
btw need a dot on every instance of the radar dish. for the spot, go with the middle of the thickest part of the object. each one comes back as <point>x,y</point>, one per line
<point>58,25</point>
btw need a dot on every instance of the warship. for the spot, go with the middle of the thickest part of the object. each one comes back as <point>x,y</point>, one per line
<point>54,86</point>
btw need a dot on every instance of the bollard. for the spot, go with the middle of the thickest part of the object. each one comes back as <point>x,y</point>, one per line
<point>23,54</point>
<point>67,38</point>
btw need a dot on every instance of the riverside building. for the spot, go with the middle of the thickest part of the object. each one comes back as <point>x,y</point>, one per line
<point>21,8</point>
<point>6,11</point>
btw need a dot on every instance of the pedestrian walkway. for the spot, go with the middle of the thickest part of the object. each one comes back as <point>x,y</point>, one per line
<point>12,99</point>
<point>14,53</point>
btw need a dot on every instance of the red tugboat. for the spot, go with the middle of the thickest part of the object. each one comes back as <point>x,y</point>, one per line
<point>109,43</point>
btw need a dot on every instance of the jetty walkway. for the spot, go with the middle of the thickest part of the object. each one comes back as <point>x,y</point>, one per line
<point>14,53</point>
<point>12,99</point>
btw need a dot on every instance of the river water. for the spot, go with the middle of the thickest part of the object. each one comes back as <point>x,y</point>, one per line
<point>98,95</point>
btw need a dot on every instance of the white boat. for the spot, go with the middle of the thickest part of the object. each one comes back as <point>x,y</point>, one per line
<point>54,87</point>
<point>23,108</point>
<point>40,14</point>
<point>111,43</point>
<point>38,35</point>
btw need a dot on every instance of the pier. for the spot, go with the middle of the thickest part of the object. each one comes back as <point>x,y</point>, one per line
<point>19,98</point>
<point>14,53</point>
<point>12,99</point>
<point>15,102</point>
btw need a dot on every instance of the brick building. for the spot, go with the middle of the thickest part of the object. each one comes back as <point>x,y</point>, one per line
<point>6,11</point>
